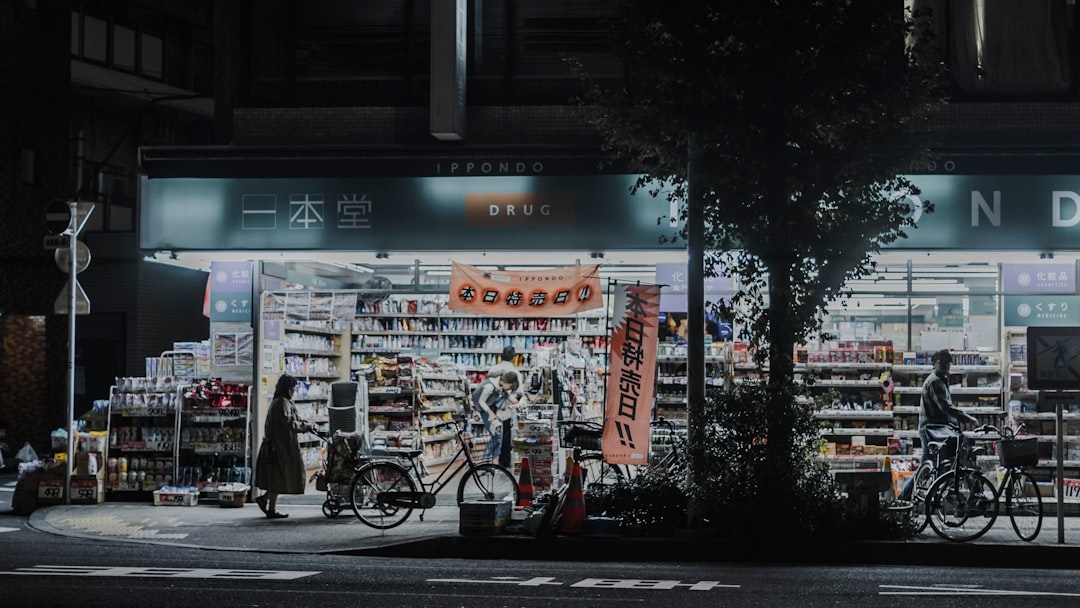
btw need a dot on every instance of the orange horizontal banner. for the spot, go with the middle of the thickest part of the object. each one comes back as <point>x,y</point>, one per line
<point>525,293</point>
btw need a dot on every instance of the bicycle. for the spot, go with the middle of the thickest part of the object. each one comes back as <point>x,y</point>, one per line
<point>1023,501</point>
<point>940,449</point>
<point>962,504</point>
<point>584,437</point>
<point>586,453</point>
<point>383,493</point>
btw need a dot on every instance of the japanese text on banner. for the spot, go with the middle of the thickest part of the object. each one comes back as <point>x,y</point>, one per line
<point>632,374</point>
<point>525,293</point>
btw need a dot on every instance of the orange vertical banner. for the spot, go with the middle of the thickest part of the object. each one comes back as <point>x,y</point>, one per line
<point>564,290</point>
<point>631,374</point>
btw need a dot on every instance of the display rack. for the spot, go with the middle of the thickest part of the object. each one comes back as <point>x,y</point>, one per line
<point>408,323</point>
<point>392,408</point>
<point>671,378</point>
<point>313,351</point>
<point>143,427</point>
<point>215,442</point>
<point>441,397</point>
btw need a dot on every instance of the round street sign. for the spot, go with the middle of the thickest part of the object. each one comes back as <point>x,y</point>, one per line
<point>82,257</point>
<point>57,216</point>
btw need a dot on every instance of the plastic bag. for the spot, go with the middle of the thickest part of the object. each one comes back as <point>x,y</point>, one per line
<point>26,453</point>
<point>59,440</point>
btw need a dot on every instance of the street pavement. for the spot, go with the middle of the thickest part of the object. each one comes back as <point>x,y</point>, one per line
<point>437,535</point>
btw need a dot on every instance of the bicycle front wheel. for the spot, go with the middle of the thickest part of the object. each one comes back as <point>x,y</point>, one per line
<point>962,507</point>
<point>487,482</point>
<point>595,471</point>
<point>1023,503</point>
<point>923,479</point>
<point>371,493</point>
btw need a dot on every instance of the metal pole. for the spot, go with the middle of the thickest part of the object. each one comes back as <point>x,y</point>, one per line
<point>1060,489</point>
<point>73,206</point>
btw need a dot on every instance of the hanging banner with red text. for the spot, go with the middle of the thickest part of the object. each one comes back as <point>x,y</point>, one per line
<point>631,374</point>
<point>525,293</point>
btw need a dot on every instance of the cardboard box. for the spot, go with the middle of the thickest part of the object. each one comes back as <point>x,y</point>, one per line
<point>82,463</point>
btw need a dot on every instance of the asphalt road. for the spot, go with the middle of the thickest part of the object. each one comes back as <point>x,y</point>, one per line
<point>40,569</point>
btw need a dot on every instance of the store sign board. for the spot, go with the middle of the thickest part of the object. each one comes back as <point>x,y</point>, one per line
<point>996,212</point>
<point>672,279</point>
<point>593,213</point>
<point>1038,278</point>
<point>1035,310</point>
<point>230,291</point>
<point>950,311</point>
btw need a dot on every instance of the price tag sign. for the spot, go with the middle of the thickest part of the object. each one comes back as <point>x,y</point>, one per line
<point>51,489</point>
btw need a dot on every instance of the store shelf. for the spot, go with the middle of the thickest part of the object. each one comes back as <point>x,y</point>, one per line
<point>144,433</point>
<point>215,442</point>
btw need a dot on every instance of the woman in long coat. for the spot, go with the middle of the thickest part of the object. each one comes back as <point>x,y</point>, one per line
<point>279,468</point>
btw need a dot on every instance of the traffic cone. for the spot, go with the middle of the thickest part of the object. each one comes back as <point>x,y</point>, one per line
<point>573,511</point>
<point>525,483</point>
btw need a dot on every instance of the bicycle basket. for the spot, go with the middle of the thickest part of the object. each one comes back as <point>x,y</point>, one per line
<point>586,437</point>
<point>1018,452</point>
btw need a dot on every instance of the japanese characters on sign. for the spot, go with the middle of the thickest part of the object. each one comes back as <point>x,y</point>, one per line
<point>230,291</point>
<point>632,374</point>
<point>525,293</point>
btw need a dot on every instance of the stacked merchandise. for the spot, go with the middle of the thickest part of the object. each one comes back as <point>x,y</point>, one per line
<point>533,438</point>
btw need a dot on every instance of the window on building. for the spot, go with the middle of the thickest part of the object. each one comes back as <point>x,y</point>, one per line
<point>95,39</point>
<point>124,48</point>
<point>1006,49</point>
<point>152,56</point>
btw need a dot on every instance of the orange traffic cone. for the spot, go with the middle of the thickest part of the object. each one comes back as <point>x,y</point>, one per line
<point>573,511</point>
<point>525,483</point>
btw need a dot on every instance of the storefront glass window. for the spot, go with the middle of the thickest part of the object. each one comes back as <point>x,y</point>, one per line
<point>921,306</point>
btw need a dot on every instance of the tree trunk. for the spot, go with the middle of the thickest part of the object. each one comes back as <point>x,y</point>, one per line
<point>695,320</point>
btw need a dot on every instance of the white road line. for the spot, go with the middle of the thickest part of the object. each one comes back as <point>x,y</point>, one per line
<point>592,583</point>
<point>535,581</point>
<point>964,590</point>
<point>9,529</point>
<point>116,571</point>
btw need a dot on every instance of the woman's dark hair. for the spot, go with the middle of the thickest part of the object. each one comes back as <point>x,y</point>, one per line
<point>285,385</point>
<point>510,378</point>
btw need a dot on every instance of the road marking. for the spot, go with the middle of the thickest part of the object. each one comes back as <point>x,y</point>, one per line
<point>48,570</point>
<point>535,581</point>
<point>592,583</point>
<point>9,529</point>
<point>965,590</point>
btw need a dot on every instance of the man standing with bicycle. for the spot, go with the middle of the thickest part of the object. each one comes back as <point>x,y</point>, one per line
<point>936,410</point>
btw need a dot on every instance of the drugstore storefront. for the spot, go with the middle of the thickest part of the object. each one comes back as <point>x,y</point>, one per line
<point>998,254</point>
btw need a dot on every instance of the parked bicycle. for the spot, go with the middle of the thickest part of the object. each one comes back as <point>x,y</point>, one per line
<point>384,492</point>
<point>584,438</point>
<point>1023,501</point>
<point>962,504</point>
<point>940,450</point>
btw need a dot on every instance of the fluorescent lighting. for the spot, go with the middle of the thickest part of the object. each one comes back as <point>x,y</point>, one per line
<point>352,267</point>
